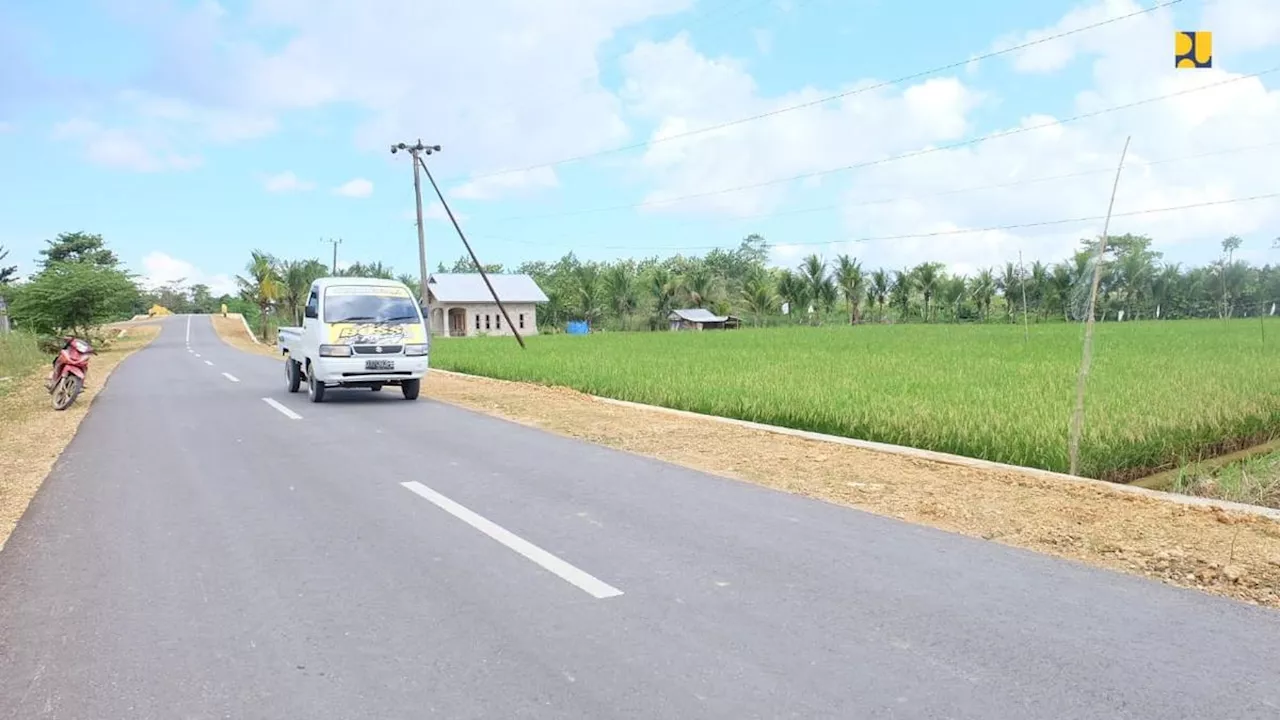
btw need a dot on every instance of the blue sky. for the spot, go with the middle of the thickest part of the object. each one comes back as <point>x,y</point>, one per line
<point>172,127</point>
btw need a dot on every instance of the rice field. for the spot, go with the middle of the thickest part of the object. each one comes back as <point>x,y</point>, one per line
<point>1159,393</point>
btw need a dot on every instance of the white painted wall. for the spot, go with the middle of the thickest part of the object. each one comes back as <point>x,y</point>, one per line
<point>490,317</point>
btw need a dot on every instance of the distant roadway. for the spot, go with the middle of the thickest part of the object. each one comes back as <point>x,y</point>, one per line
<point>211,546</point>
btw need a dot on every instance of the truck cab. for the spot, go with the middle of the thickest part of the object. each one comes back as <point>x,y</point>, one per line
<point>357,333</point>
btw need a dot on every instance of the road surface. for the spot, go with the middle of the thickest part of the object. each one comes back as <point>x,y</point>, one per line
<point>200,552</point>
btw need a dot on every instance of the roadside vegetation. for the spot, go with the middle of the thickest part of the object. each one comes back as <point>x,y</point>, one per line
<point>1254,480</point>
<point>985,367</point>
<point>1159,392</point>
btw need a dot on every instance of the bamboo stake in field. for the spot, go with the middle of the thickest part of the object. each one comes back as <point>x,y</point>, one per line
<point>1077,415</point>
<point>1022,274</point>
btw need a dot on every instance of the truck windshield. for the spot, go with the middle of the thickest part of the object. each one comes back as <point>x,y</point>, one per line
<point>369,305</point>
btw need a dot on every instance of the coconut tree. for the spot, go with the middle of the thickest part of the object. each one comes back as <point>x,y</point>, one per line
<point>622,291</point>
<point>880,285</point>
<point>261,285</point>
<point>927,276</point>
<point>794,291</point>
<point>900,292</point>
<point>661,288</point>
<point>982,290</point>
<point>296,277</point>
<point>699,286</point>
<point>851,281</point>
<point>759,295</point>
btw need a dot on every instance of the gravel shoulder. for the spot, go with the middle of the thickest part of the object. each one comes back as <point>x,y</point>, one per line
<point>1208,549</point>
<point>33,434</point>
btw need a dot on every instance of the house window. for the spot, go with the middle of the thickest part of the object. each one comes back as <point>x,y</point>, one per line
<point>521,321</point>
<point>486,322</point>
<point>497,322</point>
<point>477,321</point>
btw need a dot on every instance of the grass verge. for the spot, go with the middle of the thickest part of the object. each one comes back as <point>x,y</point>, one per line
<point>1224,553</point>
<point>33,434</point>
<point>1255,480</point>
<point>19,355</point>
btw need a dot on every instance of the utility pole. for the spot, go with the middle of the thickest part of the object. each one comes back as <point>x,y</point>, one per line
<point>335,244</point>
<point>415,152</point>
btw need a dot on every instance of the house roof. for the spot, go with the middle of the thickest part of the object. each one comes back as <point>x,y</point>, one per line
<point>697,315</point>
<point>470,288</point>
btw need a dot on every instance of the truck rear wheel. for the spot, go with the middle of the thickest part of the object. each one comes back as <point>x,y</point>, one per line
<point>410,388</point>
<point>292,374</point>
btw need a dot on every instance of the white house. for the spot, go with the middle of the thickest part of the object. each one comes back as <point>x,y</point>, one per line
<point>461,304</point>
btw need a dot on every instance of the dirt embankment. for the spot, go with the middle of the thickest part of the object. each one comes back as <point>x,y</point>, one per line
<point>1226,553</point>
<point>33,434</point>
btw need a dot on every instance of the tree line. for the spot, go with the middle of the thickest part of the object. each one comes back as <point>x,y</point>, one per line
<point>629,294</point>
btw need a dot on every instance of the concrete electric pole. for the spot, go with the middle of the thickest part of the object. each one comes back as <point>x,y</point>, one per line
<point>415,152</point>
<point>335,244</point>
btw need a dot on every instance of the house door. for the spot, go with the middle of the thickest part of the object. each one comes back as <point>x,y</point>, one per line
<point>457,322</point>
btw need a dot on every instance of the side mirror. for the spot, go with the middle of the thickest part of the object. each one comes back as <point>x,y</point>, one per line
<point>310,312</point>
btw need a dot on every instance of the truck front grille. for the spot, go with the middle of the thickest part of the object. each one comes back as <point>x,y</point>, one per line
<point>374,349</point>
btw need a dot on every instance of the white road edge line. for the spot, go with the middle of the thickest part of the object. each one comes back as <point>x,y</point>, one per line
<point>207,362</point>
<point>283,410</point>
<point>188,330</point>
<point>583,581</point>
<point>229,376</point>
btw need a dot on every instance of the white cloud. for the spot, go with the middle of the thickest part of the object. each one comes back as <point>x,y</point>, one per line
<point>122,149</point>
<point>287,181</point>
<point>507,184</point>
<point>680,89</point>
<point>357,188</point>
<point>161,269</point>
<point>531,91</point>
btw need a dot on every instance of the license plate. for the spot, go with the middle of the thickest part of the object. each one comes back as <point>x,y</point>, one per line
<point>379,364</point>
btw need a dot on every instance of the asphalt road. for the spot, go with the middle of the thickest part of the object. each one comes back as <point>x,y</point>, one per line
<point>199,553</point>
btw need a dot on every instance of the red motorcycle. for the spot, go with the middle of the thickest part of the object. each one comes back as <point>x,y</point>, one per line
<point>69,369</point>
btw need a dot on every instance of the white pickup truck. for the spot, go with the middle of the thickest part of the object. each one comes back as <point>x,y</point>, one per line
<point>357,332</point>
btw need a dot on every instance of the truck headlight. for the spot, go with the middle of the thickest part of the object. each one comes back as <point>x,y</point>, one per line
<point>335,351</point>
<point>419,349</point>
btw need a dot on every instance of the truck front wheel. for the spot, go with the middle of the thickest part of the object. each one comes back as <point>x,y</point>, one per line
<point>410,388</point>
<point>315,388</point>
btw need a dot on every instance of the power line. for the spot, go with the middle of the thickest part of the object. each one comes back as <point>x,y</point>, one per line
<point>904,156</point>
<point>945,193</point>
<point>993,228</point>
<point>821,101</point>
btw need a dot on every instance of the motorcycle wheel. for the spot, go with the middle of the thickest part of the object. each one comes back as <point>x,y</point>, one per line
<point>66,392</point>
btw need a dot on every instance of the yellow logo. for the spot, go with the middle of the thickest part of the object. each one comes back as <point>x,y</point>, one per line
<point>1193,49</point>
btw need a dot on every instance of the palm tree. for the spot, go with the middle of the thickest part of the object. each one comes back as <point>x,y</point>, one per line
<point>927,276</point>
<point>880,285</point>
<point>758,294</point>
<point>262,287</point>
<point>813,272</point>
<point>850,280</point>
<point>699,286</point>
<point>623,295</point>
<point>661,288</point>
<point>794,291</point>
<point>1061,280</point>
<point>588,292</point>
<point>1037,284</point>
<point>296,277</point>
<point>900,292</point>
<point>984,287</point>
<point>1007,284</point>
